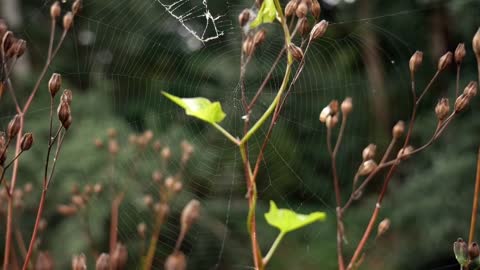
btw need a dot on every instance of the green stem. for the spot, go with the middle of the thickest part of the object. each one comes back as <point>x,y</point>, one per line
<point>226,133</point>
<point>273,248</point>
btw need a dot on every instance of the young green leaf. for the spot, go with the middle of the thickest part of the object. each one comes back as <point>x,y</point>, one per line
<point>266,14</point>
<point>287,220</point>
<point>200,108</point>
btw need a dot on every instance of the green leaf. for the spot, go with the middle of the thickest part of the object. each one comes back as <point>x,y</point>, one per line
<point>287,220</point>
<point>200,108</point>
<point>266,14</point>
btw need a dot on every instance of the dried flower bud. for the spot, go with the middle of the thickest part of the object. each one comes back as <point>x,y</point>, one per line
<point>445,61</point>
<point>28,187</point>
<point>415,61</point>
<point>79,262</point>
<point>190,214</point>
<point>248,46</point>
<point>76,7</point>
<point>113,147</point>
<point>103,262</point>
<point>13,126</point>
<point>161,209</point>
<point>78,200</point>
<point>367,167</point>
<point>55,10</point>
<point>42,225</point>
<point>303,27</point>
<point>176,261</point>
<point>8,41</point>
<point>148,201</point>
<point>166,153</point>
<point>68,123</point>
<point>442,109</point>
<point>88,189</point>
<point>347,106</point>
<point>54,84</point>
<point>319,30</point>
<point>98,143</point>
<point>332,121</point>
<point>97,188</point>
<point>177,187</point>
<point>461,103</point>
<point>27,141</point>
<point>327,111</point>
<point>169,182</point>
<point>119,257</point>
<point>316,9</point>
<point>383,227</point>
<point>471,89</point>
<point>296,52</point>
<point>369,152</point>
<point>334,106</point>
<point>19,47</point>
<point>290,8</point>
<point>67,96</point>
<point>244,17</point>
<point>142,229</point>
<point>66,210</point>
<point>157,176</point>
<point>476,44</point>
<point>157,146</point>
<point>67,20</point>
<point>473,251</point>
<point>44,261</point>
<point>301,10</point>
<point>460,53</point>
<point>63,112</point>
<point>398,129</point>
<point>404,153</point>
<point>259,37</point>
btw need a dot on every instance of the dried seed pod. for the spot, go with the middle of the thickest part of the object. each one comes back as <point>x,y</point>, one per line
<point>169,182</point>
<point>398,129</point>
<point>148,200</point>
<point>142,229</point>
<point>177,187</point>
<point>161,209</point>
<point>78,200</point>
<point>383,227</point>
<point>347,106</point>
<point>76,7</point>
<point>98,188</point>
<point>473,251</point>
<point>442,109</point>
<point>476,44</point>
<point>166,153</point>
<point>332,121</point>
<point>54,84</point>
<point>190,214</point>
<point>119,257</point>
<point>319,30</point>
<point>445,61</point>
<point>27,141</point>
<point>461,103</point>
<point>176,261</point>
<point>327,111</point>
<point>415,61</point>
<point>63,112</point>
<point>301,10</point>
<point>98,143</point>
<point>471,89</point>
<point>44,261</point>
<point>290,8</point>
<point>460,53</point>
<point>367,167</point>
<point>303,27</point>
<point>103,262</point>
<point>55,10</point>
<point>67,210</point>
<point>67,96</point>
<point>19,47</point>
<point>316,9</point>
<point>13,127</point>
<point>248,46</point>
<point>404,153</point>
<point>79,262</point>
<point>68,123</point>
<point>157,176</point>
<point>259,37</point>
<point>8,41</point>
<point>296,52</point>
<point>460,250</point>
<point>67,21</point>
<point>244,17</point>
<point>369,152</point>
<point>113,147</point>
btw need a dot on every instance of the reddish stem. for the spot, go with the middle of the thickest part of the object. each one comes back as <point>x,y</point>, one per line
<point>114,221</point>
<point>35,229</point>
<point>473,222</point>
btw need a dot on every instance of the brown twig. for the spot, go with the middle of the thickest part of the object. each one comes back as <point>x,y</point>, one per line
<point>471,235</point>
<point>114,221</point>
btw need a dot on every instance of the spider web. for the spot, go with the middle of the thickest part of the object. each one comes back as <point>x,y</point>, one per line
<point>103,46</point>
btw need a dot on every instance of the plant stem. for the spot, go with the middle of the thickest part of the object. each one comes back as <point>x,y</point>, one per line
<point>160,218</point>
<point>114,221</point>
<point>471,235</point>
<point>273,248</point>
<point>226,133</point>
<point>35,228</point>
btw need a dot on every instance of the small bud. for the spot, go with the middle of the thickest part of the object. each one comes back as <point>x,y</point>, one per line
<point>76,7</point>
<point>161,209</point>
<point>169,182</point>
<point>28,187</point>
<point>67,96</point>
<point>141,230</point>
<point>13,126</point>
<point>460,53</point>
<point>415,61</point>
<point>97,188</point>
<point>303,27</point>
<point>113,147</point>
<point>445,61</point>
<point>290,8</point>
<point>44,261</point>
<point>119,257</point>
<point>157,176</point>
<point>79,262</point>
<point>176,261</point>
<point>259,37</point>
<point>319,30</point>
<point>27,141</point>
<point>166,153</point>
<point>88,189</point>
<point>332,121</point>
<point>398,129</point>
<point>471,89</point>
<point>63,112</point>
<point>42,225</point>
<point>383,227</point>
<point>248,46</point>
<point>244,17</point>
<point>66,210</point>
<point>325,113</point>
<point>476,44</point>
<point>334,106</point>
<point>157,146</point>
<point>442,109</point>
<point>316,9</point>
<point>473,251</point>
<point>78,201</point>
<point>177,187</point>
<point>367,167</point>
<point>54,84</point>
<point>369,152</point>
<point>148,201</point>
<point>67,20</point>
<point>296,52</point>
<point>190,214</point>
<point>98,143</point>
<point>301,10</point>
<point>404,153</point>
<point>19,47</point>
<point>55,10</point>
<point>68,123</point>
<point>103,262</point>
<point>461,103</point>
<point>347,106</point>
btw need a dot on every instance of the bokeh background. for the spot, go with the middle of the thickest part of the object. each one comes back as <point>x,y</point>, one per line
<point>120,56</point>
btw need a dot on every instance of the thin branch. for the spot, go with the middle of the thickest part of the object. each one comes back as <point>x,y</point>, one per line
<point>471,235</point>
